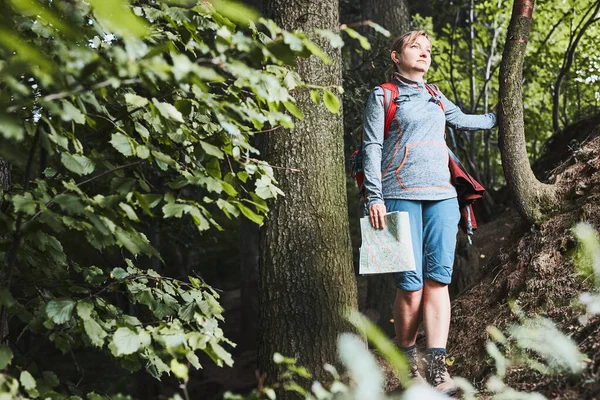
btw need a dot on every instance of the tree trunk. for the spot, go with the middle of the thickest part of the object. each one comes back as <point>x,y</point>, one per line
<point>534,199</point>
<point>306,281</point>
<point>394,16</point>
<point>249,270</point>
<point>5,183</point>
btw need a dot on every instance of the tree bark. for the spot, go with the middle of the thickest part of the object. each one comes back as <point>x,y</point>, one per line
<point>306,281</point>
<point>534,199</point>
<point>393,15</point>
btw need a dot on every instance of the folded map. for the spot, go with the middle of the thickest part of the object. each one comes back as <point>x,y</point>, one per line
<point>386,250</point>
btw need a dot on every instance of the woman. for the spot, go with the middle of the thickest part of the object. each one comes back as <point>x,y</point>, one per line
<point>408,171</point>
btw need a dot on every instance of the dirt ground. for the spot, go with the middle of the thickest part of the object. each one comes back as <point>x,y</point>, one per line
<point>528,266</point>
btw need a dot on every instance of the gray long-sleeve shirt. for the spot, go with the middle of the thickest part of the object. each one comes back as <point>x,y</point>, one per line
<point>412,163</point>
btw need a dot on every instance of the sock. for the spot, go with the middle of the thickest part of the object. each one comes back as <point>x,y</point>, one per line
<point>408,351</point>
<point>435,351</point>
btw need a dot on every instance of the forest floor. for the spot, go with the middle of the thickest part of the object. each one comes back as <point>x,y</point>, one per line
<point>531,267</point>
<point>534,269</point>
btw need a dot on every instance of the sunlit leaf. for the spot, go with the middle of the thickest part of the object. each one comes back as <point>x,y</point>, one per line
<point>77,163</point>
<point>27,380</point>
<point>126,341</point>
<point>331,101</point>
<point>293,109</point>
<point>168,111</point>
<point>236,11</point>
<point>118,17</point>
<point>60,311</point>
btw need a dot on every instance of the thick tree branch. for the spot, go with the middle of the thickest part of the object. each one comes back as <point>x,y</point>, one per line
<point>534,199</point>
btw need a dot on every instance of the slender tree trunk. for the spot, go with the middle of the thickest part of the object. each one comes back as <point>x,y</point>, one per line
<point>306,280</point>
<point>534,199</point>
<point>249,272</point>
<point>394,16</point>
<point>5,183</point>
<point>588,19</point>
<point>471,134</point>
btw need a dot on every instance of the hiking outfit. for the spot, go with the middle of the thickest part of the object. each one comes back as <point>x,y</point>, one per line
<point>408,171</point>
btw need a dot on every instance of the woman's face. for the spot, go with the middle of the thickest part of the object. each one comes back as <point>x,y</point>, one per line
<point>415,57</point>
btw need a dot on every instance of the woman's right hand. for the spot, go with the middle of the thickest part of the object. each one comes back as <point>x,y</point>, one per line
<point>377,216</point>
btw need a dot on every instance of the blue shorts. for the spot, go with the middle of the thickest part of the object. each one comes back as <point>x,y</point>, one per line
<point>433,226</point>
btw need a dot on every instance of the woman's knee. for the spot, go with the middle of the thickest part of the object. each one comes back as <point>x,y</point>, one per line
<point>409,296</point>
<point>430,284</point>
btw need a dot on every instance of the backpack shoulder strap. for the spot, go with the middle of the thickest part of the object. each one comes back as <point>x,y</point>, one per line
<point>390,105</point>
<point>435,92</point>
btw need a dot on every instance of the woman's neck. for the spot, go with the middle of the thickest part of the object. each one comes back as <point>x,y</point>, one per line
<point>415,76</point>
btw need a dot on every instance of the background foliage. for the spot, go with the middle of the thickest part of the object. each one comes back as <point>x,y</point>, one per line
<point>128,130</point>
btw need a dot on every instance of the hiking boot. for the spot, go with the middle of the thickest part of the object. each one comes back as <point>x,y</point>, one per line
<point>438,375</point>
<point>415,375</point>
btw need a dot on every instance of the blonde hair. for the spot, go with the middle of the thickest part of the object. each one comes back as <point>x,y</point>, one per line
<point>406,39</point>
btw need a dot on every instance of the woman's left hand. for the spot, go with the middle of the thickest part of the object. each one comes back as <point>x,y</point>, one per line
<point>377,215</point>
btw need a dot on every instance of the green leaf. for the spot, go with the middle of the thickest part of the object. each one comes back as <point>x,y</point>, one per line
<point>119,273</point>
<point>142,131</point>
<point>24,203</point>
<point>221,353</point>
<point>251,215</point>
<point>122,144</point>
<point>59,311</point>
<point>69,203</point>
<point>142,152</point>
<point>72,113</point>
<point>174,209</point>
<point>293,109</point>
<point>179,370</point>
<point>126,341</point>
<point>317,51</point>
<point>199,220</point>
<point>135,100</point>
<point>6,356</point>
<point>76,163</point>
<point>6,298</point>
<point>331,101</point>
<point>395,358</point>
<point>236,11</point>
<point>212,150</point>
<point>364,42</point>
<point>168,111</point>
<point>27,380</point>
<point>315,96</point>
<point>84,310</point>
<point>51,379</point>
<point>207,74</point>
<point>378,28</point>
<point>10,129</point>
<point>193,359</point>
<point>335,40</point>
<point>94,332</point>
<point>118,18</point>
<point>129,212</point>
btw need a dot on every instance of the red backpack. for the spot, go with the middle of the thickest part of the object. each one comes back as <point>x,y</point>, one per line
<point>467,188</point>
